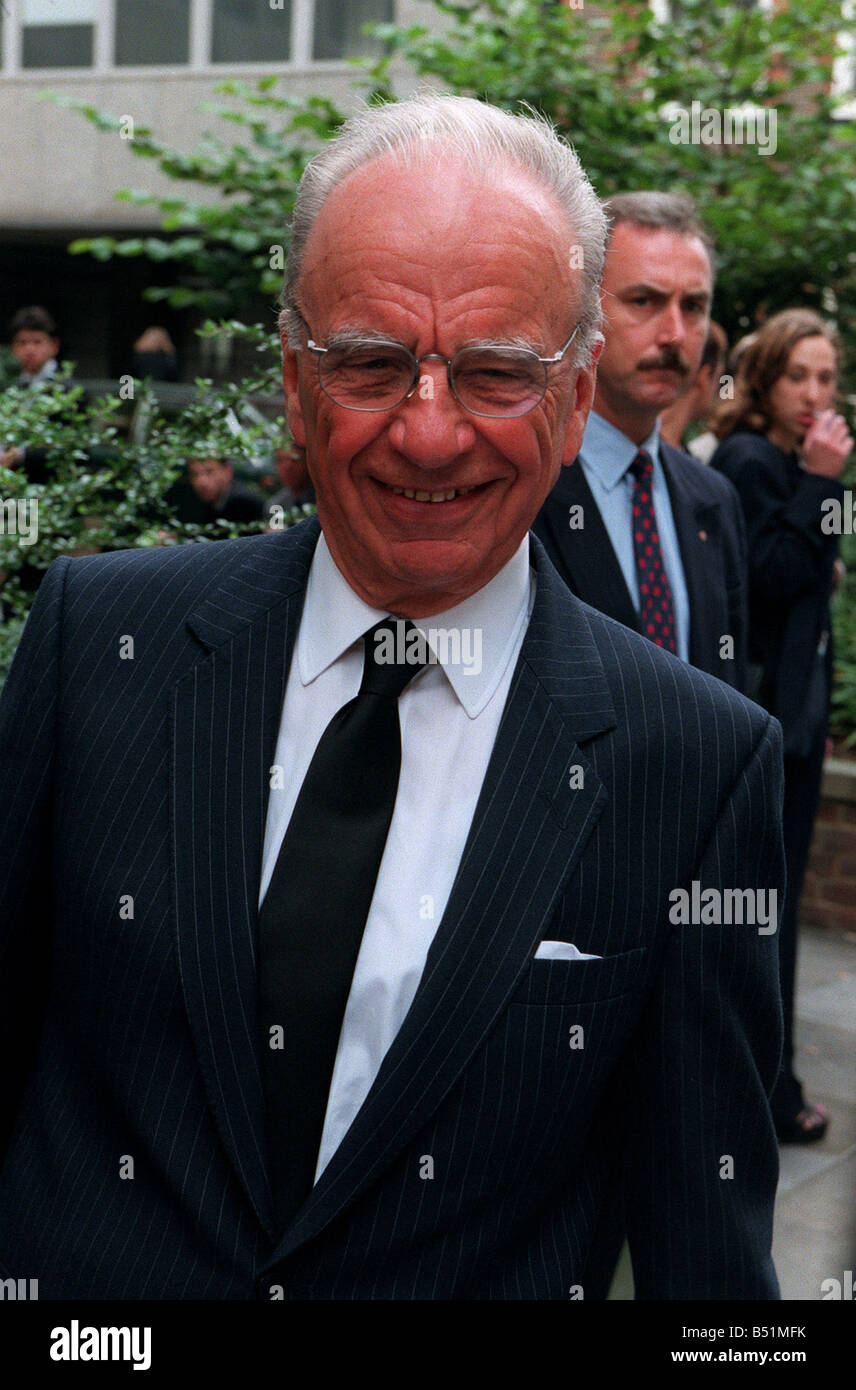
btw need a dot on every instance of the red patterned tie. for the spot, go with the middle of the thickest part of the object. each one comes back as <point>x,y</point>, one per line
<point>656,608</point>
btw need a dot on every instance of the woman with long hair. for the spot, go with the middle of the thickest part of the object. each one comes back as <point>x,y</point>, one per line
<point>784,448</point>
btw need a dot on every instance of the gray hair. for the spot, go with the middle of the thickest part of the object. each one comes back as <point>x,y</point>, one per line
<point>670,212</point>
<point>480,135</point>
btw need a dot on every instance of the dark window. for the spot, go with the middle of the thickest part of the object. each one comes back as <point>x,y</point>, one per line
<point>338,26</point>
<point>58,45</point>
<point>152,34</point>
<point>250,31</point>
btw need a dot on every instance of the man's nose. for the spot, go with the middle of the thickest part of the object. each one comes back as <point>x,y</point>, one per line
<point>672,326</point>
<point>430,427</point>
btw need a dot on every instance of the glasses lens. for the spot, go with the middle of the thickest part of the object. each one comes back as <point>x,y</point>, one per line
<point>367,376</point>
<point>494,381</point>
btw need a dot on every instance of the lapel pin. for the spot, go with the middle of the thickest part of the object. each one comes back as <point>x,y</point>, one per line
<point>702,535</point>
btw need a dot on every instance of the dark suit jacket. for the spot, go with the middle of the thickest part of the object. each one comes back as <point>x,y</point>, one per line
<point>790,579</point>
<point>132,805</point>
<point>712,541</point>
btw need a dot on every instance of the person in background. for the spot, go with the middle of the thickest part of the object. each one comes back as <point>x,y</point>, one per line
<point>296,485</point>
<point>154,355</point>
<point>784,448</point>
<point>223,499</point>
<point>695,405</point>
<point>35,345</point>
<point>636,528</point>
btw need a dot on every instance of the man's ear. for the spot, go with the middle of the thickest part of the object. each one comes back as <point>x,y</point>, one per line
<point>291,386</point>
<point>583,397</point>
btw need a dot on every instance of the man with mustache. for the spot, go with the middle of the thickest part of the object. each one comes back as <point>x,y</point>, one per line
<point>637,528</point>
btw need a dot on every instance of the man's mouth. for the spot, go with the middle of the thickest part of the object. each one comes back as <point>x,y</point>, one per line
<point>446,495</point>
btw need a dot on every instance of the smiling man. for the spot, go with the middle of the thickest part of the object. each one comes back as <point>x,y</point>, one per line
<point>356,948</point>
<point>638,529</point>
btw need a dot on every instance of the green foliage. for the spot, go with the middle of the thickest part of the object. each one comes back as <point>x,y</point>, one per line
<point>782,221</point>
<point>104,492</point>
<point>233,244</point>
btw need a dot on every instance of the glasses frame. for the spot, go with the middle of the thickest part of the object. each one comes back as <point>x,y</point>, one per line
<point>546,363</point>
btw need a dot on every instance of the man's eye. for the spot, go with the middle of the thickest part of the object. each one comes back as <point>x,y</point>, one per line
<point>369,361</point>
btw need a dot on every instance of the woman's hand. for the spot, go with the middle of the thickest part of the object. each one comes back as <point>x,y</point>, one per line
<point>826,447</point>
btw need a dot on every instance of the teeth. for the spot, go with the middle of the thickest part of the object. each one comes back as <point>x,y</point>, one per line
<point>429,496</point>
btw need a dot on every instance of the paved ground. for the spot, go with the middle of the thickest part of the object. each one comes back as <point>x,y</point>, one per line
<point>815,1230</point>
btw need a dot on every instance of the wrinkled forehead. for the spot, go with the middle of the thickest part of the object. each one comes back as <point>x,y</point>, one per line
<point>437,233</point>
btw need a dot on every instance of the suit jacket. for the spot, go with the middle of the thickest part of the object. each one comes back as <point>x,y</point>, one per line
<point>712,541</point>
<point>790,581</point>
<point>133,795</point>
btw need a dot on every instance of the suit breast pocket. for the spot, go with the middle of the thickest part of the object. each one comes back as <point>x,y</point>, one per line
<point>568,982</point>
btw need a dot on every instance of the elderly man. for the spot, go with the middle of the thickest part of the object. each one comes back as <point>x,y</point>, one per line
<point>638,529</point>
<point>356,870</point>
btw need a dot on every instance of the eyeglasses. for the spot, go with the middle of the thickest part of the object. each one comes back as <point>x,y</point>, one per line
<point>371,374</point>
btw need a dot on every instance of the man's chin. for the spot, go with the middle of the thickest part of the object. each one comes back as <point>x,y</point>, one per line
<point>429,578</point>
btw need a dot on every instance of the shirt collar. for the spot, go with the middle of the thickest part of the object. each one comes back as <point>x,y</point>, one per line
<point>43,374</point>
<point>609,453</point>
<point>488,622</point>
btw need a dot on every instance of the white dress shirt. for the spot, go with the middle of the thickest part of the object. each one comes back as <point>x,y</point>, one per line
<point>449,716</point>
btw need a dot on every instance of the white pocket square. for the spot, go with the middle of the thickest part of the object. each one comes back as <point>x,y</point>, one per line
<point>561,950</point>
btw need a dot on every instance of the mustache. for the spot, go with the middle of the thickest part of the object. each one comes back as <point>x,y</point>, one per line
<point>669,360</point>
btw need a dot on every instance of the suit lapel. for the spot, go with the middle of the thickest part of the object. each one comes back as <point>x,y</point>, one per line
<point>698,528</point>
<point>225,718</point>
<point>593,571</point>
<point>528,831</point>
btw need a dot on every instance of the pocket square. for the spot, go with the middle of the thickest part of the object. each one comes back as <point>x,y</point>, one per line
<point>561,950</point>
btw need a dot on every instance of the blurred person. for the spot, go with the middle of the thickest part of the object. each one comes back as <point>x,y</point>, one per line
<point>636,528</point>
<point>154,355</point>
<point>222,498</point>
<point>784,447</point>
<point>695,405</point>
<point>296,488</point>
<point>35,345</point>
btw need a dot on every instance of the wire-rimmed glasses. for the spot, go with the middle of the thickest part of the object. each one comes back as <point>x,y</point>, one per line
<point>492,380</point>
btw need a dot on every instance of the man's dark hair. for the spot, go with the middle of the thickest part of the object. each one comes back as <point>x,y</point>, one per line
<point>33,319</point>
<point>670,212</point>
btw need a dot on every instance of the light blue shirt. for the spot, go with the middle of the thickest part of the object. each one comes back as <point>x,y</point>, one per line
<point>606,456</point>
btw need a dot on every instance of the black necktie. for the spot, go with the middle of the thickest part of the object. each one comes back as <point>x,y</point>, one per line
<point>313,916</point>
<point>656,608</point>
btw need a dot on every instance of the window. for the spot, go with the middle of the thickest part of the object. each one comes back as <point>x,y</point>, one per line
<point>57,33</point>
<point>251,31</point>
<point>338,26</point>
<point>139,41</point>
<point>104,35</point>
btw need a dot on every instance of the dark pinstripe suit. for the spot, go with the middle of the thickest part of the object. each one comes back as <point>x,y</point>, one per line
<point>148,777</point>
